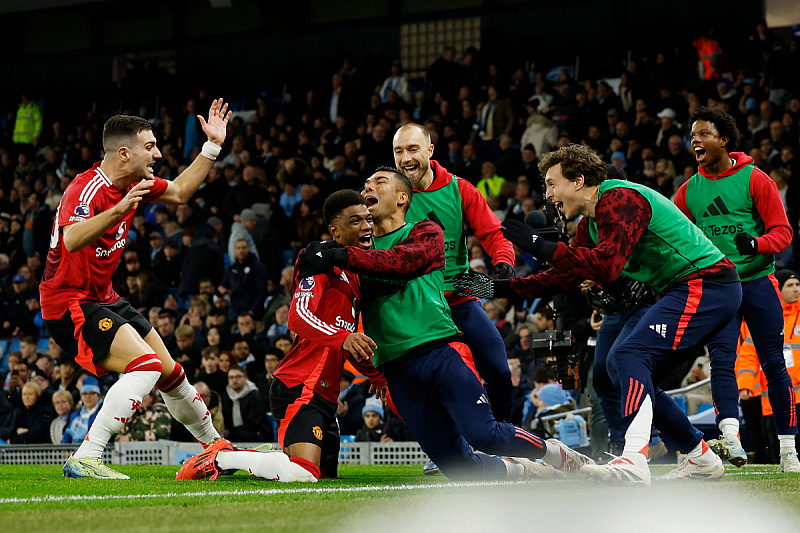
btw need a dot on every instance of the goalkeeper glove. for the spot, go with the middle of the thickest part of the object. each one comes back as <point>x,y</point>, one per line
<point>471,283</point>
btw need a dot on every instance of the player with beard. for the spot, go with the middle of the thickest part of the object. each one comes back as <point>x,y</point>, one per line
<point>404,311</point>
<point>90,321</point>
<point>739,209</point>
<point>324,314</point>
<point>451,202</point>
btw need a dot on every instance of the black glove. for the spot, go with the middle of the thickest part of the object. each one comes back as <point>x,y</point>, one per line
<point>528,240</point>
<point>319,256</point>
<point>746,244</point>
<point>504,270</point>
<point>471,283</point>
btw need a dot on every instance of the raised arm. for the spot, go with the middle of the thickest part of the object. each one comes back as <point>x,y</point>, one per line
<point>185,185</point>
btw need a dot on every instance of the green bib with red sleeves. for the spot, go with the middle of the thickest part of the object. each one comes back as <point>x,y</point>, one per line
<point>724,207</point>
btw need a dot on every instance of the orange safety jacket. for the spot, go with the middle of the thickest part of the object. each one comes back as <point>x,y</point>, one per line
<point>748,369</point>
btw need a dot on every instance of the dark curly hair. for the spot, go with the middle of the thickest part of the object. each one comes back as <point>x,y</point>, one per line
<point>725,124</point>
<point>576,160</point>
<point>338,202</point>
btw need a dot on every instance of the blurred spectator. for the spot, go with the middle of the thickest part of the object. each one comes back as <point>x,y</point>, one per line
<point>90,404</point>
<point>213,401</point>
<point>352,398</point>
<point>243,230</point>
<point>243,421</point>
<point>245,281</point>
<point>372,429</point>
<point>29,423</point>
<point>210,372</point>
<point>281,324</point>
<point>64,406</point>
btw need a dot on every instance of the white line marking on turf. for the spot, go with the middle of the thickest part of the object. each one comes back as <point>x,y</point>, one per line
<point>261,492</point>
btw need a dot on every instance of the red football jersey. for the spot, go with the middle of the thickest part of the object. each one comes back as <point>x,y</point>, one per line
<point>85,275</point>
<point>323,312</point>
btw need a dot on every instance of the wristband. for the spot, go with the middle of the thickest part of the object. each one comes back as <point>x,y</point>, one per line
<point>211,150</point>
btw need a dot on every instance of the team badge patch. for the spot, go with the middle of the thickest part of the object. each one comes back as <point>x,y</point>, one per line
<point>317,431</point>
<point>105,324</point>
<point>82,210</point>
<point>306,284</point>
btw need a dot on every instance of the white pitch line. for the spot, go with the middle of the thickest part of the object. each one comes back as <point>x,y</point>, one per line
<point>261,492</point>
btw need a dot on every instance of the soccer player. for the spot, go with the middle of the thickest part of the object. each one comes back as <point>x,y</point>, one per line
<point>451,202</point>
<point>632,230</point>
<point>324,313</point>
<point>90,321</point>
<point>739,209</point>
<point>404,311</point>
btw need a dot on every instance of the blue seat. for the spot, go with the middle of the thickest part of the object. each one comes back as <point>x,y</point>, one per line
<point>4,345</point>
<point>43,345</point>
<point>14,345</point>
<point>226,260</point>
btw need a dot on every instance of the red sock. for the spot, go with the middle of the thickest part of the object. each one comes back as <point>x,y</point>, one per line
<point>305,463</point>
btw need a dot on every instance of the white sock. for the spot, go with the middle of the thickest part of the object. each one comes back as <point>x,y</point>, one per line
<point>730,428</point>
<point>552,455</point>
<point>188,408</point>
<point>122,399</point>
<point>637,436</point>
<point>786,443</point>
<point>702,453</point>
<point>514,470</point>
<point>274,466</point>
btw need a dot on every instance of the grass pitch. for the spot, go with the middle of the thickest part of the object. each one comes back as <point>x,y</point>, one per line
<point>391,498</point>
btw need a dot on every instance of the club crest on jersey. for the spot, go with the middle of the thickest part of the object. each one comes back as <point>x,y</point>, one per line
<point>82,210</point>
<point>105,324</point>
<point>317,431</point>
<point>306,284</point>
<point>123,229</point>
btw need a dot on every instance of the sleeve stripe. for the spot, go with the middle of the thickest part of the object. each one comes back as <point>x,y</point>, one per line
<point>311,320</point>
<point>90,190</point>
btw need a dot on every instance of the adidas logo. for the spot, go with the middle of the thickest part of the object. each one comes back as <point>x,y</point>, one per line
<point>716,208</point>
<point>483,399</point>
<point>661,329</point>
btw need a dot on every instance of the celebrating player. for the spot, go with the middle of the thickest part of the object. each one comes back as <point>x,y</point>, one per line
<point>324,314</point>
<point>90,321</point>
<point>451,202</point>
<point>405,312</point>
<point>632,230</point>
<point>739,209</point>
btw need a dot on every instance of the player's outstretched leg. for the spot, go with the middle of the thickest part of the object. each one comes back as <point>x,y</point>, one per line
<point>181,398</point>
<point>128,354</point>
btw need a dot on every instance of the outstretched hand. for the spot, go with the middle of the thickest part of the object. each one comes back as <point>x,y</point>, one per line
<point>522,236</point>
<point>216,126</point>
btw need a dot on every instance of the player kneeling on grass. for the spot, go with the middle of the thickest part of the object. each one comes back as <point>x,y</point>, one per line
<point>324,314</point>
<point>87,319</point>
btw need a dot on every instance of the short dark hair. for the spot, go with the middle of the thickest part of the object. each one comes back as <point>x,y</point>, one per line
<point>399,176</point>
<point>725,124</point>
<point>576,160</point>
<point>120,129</point>
<point>338,202</point>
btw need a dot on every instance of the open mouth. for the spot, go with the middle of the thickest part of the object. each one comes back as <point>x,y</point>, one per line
<point>365,240</point>
<point>371,201</point>
<point>410,169</point>
<point>699,153</point>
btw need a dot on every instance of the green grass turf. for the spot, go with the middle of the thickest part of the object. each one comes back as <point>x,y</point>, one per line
<point>401,493</point>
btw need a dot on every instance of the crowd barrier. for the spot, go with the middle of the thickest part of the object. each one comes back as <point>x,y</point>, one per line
<point>167,452</point>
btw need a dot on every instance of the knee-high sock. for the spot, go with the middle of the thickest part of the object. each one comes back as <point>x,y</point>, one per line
<point>187,406</point>
<point>637,436</point>
<point>275,466</point>
<point>122,399</point>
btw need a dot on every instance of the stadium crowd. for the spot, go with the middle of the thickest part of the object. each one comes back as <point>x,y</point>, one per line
<point>214,276</point>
